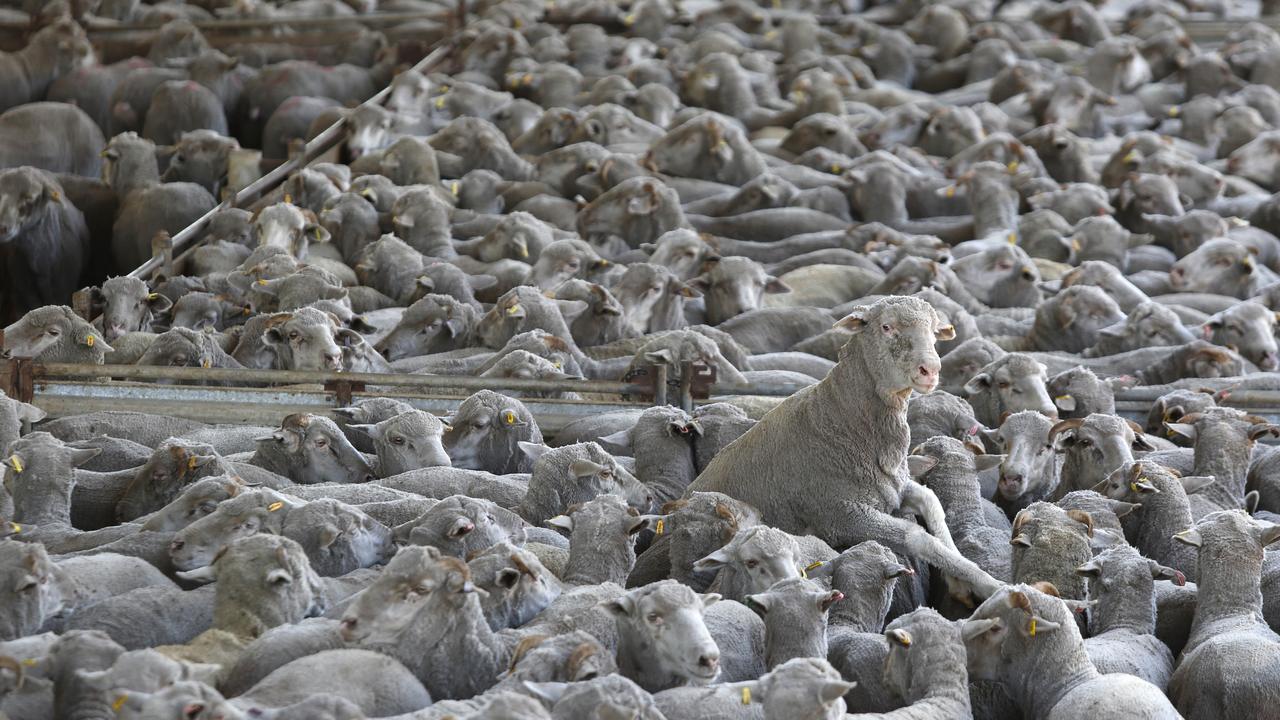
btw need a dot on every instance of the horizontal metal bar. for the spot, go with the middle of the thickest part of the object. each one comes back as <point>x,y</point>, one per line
<point>767,389</point>
<point>233,24</point>
<point>314,149</point>
<point>47,371</point>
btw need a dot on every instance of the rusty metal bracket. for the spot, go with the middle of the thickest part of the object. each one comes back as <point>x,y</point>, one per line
<point>17,378</point>
<point>342,390</point>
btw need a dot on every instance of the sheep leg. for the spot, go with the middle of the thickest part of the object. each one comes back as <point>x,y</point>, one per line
<point>922,502</point>
<point>904,536</point>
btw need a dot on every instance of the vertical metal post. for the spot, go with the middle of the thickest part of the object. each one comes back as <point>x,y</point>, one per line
<point>686,387</point>
<point>660,385</point>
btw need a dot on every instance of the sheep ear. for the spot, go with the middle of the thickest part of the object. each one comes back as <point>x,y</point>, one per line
<point>918,465</point>
<point>986,462</point>
<point>1261,429</point>
<point>854,322</point>
<point>714,561</point>
<point>620,439</point>
<point>1269,533</point>
<point>1122,508</point>
<point>660,357</point>
<point>1102,539</point>
<point>571,309</point>
<point>1190,536</point>
<point>833,690</point>
<point>642,523</point>
<point>759,603</point>
<point>971,629</point>
<point>709,599</point>
<point>1090,569</point>
<point>1083,518</point>
<point>1182,429</point>
<point>80,457</point>
<point>1037,625</point>
<point>584,468</point>
<point>1065,403</point>
<point>93,678</point>
<point>945,333</point>
<point>1161,572</point>
<point>550,692</point>
<point>533,450</point>
<point>1195,483</point>
<point>561,523</point>
<point>30,413</point>
<point>371,430</point>
<point>775,286</point>
<point>621,607</point>
<point>900,636</point>
<point>202,575</point>
<point>507,578</point>
<point>978,383</point>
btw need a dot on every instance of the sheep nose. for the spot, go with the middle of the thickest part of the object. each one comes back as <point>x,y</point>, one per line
<point>176,545</point>
<point>924,371</point>
<point>347,627</point>
<point>709,660</point>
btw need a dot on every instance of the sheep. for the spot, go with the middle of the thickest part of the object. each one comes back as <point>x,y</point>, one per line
<point>1031,469</point>
<point>941,413</point>
<point>517,584</point>
<point>755,559</point>
<point>407,441</point>
<point>1224,439</point>
<point>261,581</point>
<point>1027,640</point>
<point>795,619</point>
<point>866,575</point>
<point>1122,623</point>
<point>691,529</point>
<point>1164,510</point>
<point>662,442</point>
<point>575,474</point>
<point>664,621</point>
<point>459,525</point>
<point>1049,543</point>
<point>426,599</point>
<point>950,470</point>
<point>602,536</point>
<point>1092,448</point>
<point>925,669</point>
<point>1011,382</point>
<point>1222,670</point>
<point>570,657</point>
<point>892,348</point>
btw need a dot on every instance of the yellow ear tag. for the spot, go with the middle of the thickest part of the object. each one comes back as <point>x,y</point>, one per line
<point>89,341</point>
<point>1013,166</point>
<point>16,463</point>
<point>453,188</point>
<point>440,102</point>
<point>1174,111</point>
<point>1132,156</point>
<point>629,20</point>
<point>1013,238</point>
<point>16,528</point>
<point>951,191</point>
<point>262,282</point>
<point>814,565</point>
<point>746,696</point>
<point>657,529</point>
<point>509,417</point>
<point>247,310</point>
<point>1075,244</point>
<point>152,296</point>
<point>1133,487</point>
<point>1033,627</point>
<point>527,80</point>
<point>288,199</point>
<point>191,463</point>
<point>1062,397</point>
<point>771,35</point>
<point>57,196</point>
<point>316,232</point>
<point>836,169</point>
<point>31,662</point>
<point>119,702</point>
<point>275,506</point>
<point>513,309</point>
<point>206,363</point>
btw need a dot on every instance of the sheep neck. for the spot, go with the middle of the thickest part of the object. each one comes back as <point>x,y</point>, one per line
<point>939,684</point>
<point>861,610</point>
<point>460,633</point>
<point>794,637</point>
<point>1048,667</point>
<point>1133,610</point>
<point>665,469</point>
<point>1230,582</point>
<point>45,501</point>
<point>1163,514</point>
<point>1222,450</point>
<point>601,556</point>
<point>958,491</point>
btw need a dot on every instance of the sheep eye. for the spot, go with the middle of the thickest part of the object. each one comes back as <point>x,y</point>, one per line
<point>751,564</point>
<point>321,442</point>
<point>886,327</point>
<point>655,618</point>
<point>55,332</point>
<point>293,335</point>
<point>27,587</point>
<point>397,440</point>
<point>606,473</point>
